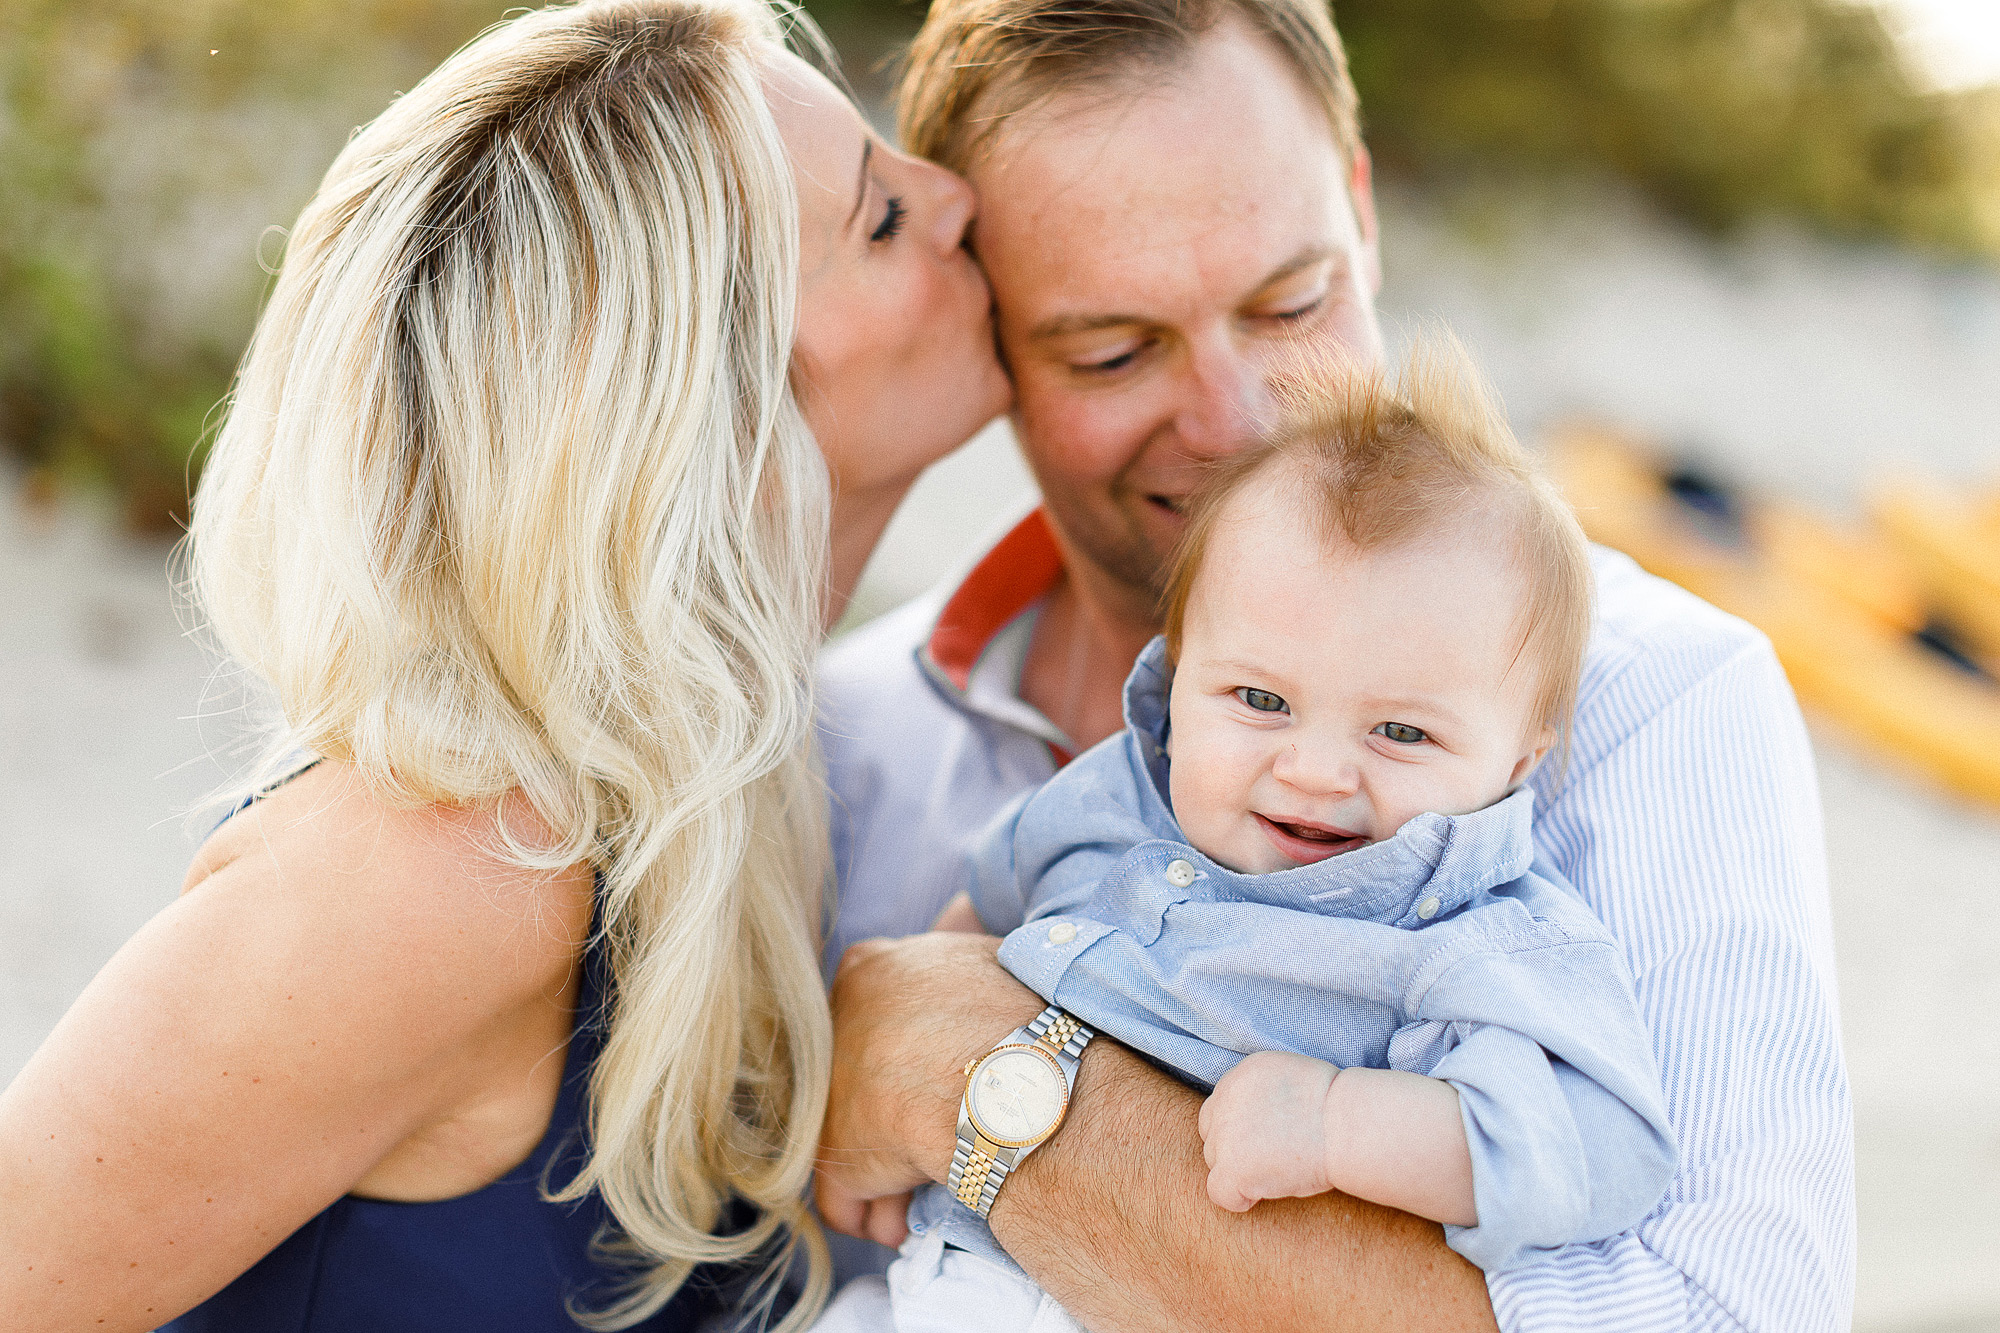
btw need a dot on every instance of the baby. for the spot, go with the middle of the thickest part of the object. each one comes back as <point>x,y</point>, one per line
<point>1303,874</point>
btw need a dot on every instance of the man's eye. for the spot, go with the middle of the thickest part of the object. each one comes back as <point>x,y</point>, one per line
<point>1401,734</point>
<point>1298,313</point>
<point>1263,700</point>
<point>1109,364</point>
<point>892,221</point>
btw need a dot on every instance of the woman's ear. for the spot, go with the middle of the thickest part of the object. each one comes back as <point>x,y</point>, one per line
<point>1531,758</point>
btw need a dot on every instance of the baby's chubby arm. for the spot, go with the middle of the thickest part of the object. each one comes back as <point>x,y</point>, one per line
<point>1282,1126</point>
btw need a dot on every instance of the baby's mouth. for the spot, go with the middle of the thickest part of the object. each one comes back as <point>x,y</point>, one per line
<point>1308,842</point>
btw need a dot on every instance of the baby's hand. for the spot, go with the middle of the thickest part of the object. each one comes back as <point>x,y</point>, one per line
<point>1263,1130</point>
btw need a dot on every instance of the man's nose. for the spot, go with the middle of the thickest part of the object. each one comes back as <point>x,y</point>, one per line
<point>1227,400</point>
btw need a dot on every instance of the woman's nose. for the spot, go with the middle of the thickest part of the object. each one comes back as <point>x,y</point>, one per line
<point>952,205</point>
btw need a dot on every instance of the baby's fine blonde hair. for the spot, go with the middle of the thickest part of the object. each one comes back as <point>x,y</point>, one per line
<point>1385,461</point>
<point>513,496</point>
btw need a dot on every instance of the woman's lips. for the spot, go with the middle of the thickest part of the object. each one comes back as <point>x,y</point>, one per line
<point>1307,842</point>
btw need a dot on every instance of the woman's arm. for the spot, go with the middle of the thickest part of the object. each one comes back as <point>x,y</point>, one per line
<point>346,997</point>
<point>1112,1215</point>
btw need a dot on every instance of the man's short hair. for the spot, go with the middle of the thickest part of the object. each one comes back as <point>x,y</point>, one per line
<point>1384,463</point>
<point>976,64</point>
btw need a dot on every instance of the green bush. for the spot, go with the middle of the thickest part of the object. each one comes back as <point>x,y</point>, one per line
<point>1723,110</point>
<point>144,148</point>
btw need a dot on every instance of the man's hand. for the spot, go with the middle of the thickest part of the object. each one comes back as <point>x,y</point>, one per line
<point>1263,1130</point>
<point>898,1069</point>
<point>886,1220</point>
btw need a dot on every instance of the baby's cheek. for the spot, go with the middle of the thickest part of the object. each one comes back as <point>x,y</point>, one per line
<point>1206,805</point>
<point>1449,788</point>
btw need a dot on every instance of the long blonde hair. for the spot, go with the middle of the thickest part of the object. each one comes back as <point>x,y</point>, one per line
<point>512,495</point>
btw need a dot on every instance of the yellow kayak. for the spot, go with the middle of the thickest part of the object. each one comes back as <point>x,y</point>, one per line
<point>1953,546</point>
<point>1852,620</point>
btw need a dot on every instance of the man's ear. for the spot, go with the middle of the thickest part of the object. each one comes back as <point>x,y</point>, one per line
<point>1544,742</point>
<point>1361,193</point>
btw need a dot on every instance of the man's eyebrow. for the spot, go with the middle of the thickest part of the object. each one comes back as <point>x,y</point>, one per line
<point>861,182</point>
<point>1305,259</point>
<point>1062,326</point>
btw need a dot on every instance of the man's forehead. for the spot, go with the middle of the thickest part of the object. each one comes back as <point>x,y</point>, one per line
<point>1080,195</point>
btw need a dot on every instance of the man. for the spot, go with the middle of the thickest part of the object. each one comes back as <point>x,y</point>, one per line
<point>1173,193</point>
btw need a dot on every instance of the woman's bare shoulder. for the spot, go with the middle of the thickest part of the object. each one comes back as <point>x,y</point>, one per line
<point>432,877</point>
<point>339,977</point>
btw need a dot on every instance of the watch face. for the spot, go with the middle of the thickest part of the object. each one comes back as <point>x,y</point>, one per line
<point>1017,1096</point>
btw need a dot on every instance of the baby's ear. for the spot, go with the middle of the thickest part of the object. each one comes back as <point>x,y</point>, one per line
<point>1531,758</point>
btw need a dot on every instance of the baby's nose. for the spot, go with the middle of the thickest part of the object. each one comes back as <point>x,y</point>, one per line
<point>1321,769</point>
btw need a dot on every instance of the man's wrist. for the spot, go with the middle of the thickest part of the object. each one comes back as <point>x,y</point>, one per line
<point>990,1004</point>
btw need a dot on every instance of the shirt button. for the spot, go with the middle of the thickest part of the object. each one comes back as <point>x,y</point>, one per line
<point>1180,873</point>
<point>1062,932</point>
<point>1428,908</point>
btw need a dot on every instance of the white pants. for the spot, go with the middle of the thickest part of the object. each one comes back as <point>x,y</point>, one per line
<point>932,1289</point>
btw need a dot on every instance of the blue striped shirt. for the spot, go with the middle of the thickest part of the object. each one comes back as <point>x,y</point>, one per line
<point>1688,819</point>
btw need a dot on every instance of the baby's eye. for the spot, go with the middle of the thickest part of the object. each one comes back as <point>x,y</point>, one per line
<point>1402,735</point>
<point>1263,700</point>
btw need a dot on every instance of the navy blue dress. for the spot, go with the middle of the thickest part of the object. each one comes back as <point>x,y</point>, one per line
<point>497,1260</point>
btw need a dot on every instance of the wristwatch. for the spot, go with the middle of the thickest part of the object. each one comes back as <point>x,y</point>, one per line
<point>1015,1097</point>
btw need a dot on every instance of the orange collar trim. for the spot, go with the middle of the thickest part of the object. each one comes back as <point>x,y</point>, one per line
<point>1019,569</point>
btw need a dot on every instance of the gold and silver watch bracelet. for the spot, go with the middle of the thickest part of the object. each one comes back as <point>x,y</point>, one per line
<point>978,1167</point>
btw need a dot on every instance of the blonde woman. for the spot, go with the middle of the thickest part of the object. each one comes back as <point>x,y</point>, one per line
<point>594,370</point>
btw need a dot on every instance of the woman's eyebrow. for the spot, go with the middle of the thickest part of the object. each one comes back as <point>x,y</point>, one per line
<point>861,182</point>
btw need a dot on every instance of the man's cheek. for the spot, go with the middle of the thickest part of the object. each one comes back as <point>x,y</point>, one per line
<point>1104,436</point>
<point>1067,441</point>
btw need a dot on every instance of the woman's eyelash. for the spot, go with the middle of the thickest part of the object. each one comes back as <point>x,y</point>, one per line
<point>892,222</point>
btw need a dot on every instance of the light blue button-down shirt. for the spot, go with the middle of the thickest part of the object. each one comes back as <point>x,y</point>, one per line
<point>1439,951</point>
<point>1688,823</point>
